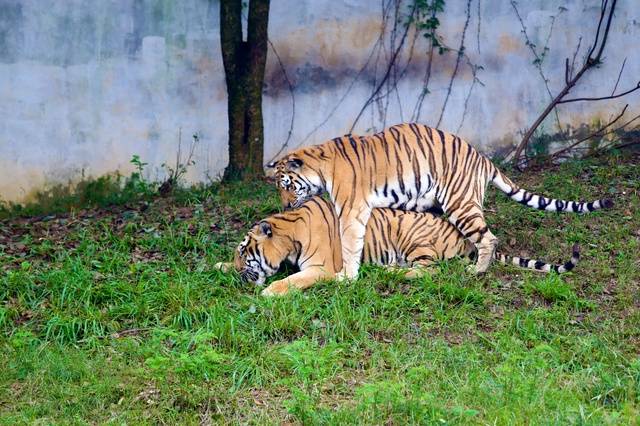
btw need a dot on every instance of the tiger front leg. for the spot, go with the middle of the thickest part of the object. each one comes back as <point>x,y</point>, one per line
<point>300,280</point>
<point>352,229</point>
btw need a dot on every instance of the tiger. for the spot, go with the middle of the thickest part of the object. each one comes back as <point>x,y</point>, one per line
<point>308,236</point>
<point>408,167</point>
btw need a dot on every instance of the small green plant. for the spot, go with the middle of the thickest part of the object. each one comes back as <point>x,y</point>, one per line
<point>140,165</point>
<point>136,181</point>
<point>177,171</point>
<point>426,20</point>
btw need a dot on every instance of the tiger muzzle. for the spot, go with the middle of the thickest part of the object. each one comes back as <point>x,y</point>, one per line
<point>249,275</point>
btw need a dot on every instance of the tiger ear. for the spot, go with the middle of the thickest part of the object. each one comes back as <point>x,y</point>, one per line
<point>265,228</point>
<point>294,163</point>
<point>270,169</point>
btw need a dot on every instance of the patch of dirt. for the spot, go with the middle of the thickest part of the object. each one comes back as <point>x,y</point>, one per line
<point>149,395</point>
<point>453,337</point>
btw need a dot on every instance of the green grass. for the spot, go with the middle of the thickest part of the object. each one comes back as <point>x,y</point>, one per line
<point>116,316</point>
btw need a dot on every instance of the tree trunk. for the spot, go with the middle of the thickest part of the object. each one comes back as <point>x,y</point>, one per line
<point>244,64</point>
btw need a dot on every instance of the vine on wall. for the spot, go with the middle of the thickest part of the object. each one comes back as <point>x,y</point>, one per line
<point>410,34</point>
<point>423,19</point>
<point>404,23</point>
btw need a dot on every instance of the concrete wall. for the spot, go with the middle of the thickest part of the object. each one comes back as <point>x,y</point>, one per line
<point>85,84</point>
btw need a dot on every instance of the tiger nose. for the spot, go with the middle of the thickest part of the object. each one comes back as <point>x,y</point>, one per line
<point>248,276</point>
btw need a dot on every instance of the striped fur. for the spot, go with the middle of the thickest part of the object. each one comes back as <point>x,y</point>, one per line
<point>308,237</point>
<point>406,167</point>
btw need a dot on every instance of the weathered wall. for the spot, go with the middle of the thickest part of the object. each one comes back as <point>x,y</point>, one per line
<point>84,84</point>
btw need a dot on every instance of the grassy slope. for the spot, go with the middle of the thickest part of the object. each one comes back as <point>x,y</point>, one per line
<point>117,316</point>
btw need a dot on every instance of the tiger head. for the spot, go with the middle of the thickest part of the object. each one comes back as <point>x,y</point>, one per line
<point>298,177</point>
<point>261,252</point>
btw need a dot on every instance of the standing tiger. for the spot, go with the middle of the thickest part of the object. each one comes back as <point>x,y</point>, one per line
<point>406,167</point>
<point>308,237</point>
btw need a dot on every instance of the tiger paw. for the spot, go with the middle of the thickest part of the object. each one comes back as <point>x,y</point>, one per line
<point>278,288</point>
<point>473,269</point>
<point>344,275</point>
<point>224,266</point>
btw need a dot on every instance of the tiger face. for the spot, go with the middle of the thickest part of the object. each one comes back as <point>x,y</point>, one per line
<point>297,180</point>
<point>259,255</point>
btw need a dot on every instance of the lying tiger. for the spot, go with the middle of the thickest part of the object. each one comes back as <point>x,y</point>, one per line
<point>309,238</point>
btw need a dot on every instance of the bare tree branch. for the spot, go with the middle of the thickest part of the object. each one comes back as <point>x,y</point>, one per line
<point>619,95</point>
<point>592,135</point>
<point>600,133</point>
<point>589,63</point>
<point>610,147</point>
<point>415,116</point>
<point>603,7</point>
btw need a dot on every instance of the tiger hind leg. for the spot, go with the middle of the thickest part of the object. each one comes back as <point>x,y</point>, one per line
<point>421,260</point>
<point>416,272</point>
<point>470,221</point>
<point>486,248</point>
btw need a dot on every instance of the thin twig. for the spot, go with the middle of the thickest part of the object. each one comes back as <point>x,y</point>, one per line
<point>386,74</point>
<point>539,58</point>
<point>476,80</point>
<point>603,7</point>
<point>458,58</point>
<point>478,30</point>
<point>610,147</point>
<point>415,116</point>
<point>573,60</point>
<point>619,75</point>
<point>619,95</point>
<point>129,332</point>
<point>174,176</point>
<point>417,109</point>
<point>598,133</point>
<point>606,30</point>
<point>293,102</point>
<point>355,79</point>
<point>619,146</point>
<point>592,135</point>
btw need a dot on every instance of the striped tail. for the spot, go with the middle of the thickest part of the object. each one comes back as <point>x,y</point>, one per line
<point>504,184</point>
<point>539,265</point>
